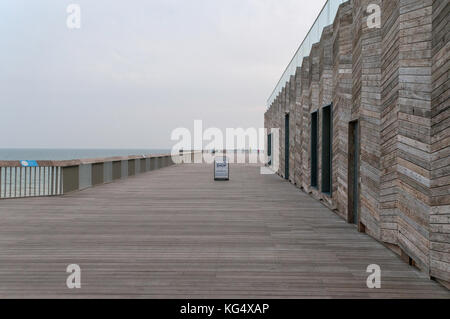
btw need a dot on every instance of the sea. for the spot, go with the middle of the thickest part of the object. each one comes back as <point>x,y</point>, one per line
<point>18,154</point>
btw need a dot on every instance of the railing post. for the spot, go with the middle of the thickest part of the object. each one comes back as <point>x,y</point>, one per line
<point>137,167</point>
<point>116,170</point>
<point>85,178</point>
<point>98,174</point>
<point>107,172</point>
<point>143,165</point>
<point>50,178</point>
<point>131,167</point>
<point>1,182</point>
<point>124,169</point>
<point>152,163</point>
<point>70,179</point>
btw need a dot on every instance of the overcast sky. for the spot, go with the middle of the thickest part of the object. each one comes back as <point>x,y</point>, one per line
<point>138,69</point>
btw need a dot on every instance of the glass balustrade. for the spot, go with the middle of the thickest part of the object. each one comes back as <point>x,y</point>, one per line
<point>325,18</point>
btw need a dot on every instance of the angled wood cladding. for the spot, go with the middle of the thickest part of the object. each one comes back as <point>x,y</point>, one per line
<point>394,81</point>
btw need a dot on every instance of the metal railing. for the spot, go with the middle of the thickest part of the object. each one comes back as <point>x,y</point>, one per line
<point>18,182</point>
<point>20,179</point>
<point>325,18</point>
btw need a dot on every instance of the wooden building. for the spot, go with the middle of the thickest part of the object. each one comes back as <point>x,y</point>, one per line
<point>364,126</point>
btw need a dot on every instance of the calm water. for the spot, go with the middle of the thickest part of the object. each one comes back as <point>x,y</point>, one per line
<point>69,154</point>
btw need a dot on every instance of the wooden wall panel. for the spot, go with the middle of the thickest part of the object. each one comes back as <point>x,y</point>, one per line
<point>394,80</point>
<point>326,96</point>
<point>440,143</point>
<point>292,128</point>
<point>342,102</point>
<point>281,115</point>
<point>314,90</point>
<point>414,129</point>
<point>388,120</point>
<point>367,108</point>
<point>306,124</point>
<point>298,113</point>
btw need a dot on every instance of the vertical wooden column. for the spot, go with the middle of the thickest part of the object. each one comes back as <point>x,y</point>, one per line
<point>389,120</point>
<point>306,125</point>
<point>326,95</point>
<point>281,119</point>
<point>367,109</point>
<point>298,124</point>
<point>314,91</point>
<point>292,128</point>
<point>342,104</point>
<point>440,144</point>
<point>414,129</point>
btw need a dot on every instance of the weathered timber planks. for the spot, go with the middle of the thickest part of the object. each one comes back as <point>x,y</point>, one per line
<point>175,233</point>
<point>394,81</point>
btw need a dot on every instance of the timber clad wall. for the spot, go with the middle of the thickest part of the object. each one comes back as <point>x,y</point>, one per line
<point>414,135</point>
<point>389,123</point>
<point>440,141</point>
<point>393,80</point>
<point>342,103</point>
<point>366,102</point>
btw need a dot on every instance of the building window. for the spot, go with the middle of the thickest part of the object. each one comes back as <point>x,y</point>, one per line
<point>269,148</point>
<point>327,143</point>
<point>314,138</point>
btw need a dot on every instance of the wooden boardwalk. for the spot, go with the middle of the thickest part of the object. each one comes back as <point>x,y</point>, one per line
<point>175,233</point>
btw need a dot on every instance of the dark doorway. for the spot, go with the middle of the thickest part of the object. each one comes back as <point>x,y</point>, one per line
<point>269,148</point>
<point>353,172</point>
<point>314,138</point>
<point>327,131</point>
<point>286,148</point>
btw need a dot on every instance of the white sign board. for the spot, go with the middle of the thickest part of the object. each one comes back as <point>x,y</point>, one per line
<point>221,169</point>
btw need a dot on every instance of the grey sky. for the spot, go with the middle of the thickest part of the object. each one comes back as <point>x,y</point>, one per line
<point>138,69</point>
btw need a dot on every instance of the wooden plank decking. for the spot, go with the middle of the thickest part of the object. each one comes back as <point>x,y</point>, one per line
<point>175,233</point>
